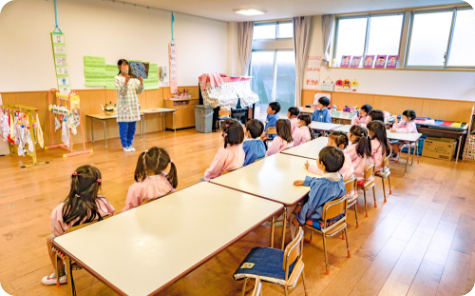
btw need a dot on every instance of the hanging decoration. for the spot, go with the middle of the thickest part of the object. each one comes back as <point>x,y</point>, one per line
<point>313,72</point>
<point>339,85</point>
<point>59,55</point>
<point>346,85</point>
<point>172,58</point>
<point>354,85</point>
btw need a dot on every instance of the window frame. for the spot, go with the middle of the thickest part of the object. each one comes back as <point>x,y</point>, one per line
<point>276,23</point>
<point>406,35</point>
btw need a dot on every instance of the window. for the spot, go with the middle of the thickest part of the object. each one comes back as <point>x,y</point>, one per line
<point>273,66</point>
<point>463,40</point>
<point>433,39</point>
<point>430,34</point>
<point>369,35</point>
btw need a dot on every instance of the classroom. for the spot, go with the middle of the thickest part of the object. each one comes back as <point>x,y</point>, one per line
<point>152,147</point>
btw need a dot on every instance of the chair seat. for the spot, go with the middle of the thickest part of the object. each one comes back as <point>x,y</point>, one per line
<point>368,184</point>
<point>267,266</point>
<point>352,199</point>
<point>383,174</point>
<point>332,229</point>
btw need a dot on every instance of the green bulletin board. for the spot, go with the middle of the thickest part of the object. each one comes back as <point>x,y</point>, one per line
<point>97,73</point>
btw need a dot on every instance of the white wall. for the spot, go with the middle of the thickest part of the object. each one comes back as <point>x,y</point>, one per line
<point>105,29</point>
<point>426,84</point>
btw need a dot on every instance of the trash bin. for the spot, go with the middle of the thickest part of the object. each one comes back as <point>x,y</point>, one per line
<point>204,118</point>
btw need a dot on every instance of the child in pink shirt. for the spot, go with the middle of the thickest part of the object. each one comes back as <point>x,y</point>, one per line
<point>363,117</point>
<point>155,176</point>
<point>359,151</point>
<point>292,115</point>
<point>380,146</point>
<point>82,205</point>
<point>230,157</point>
<point>339,140</point>
<point>284,137</point>
<point>303,133</point>
<point>407,125</point>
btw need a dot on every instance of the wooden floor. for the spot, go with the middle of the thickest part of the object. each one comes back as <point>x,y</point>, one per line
<point>421,242</point>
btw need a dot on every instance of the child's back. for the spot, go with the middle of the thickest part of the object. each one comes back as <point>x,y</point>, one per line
<point>359,162</point>
<point>303,133</point>
<point>360,150</point>
<point>284,137</point>
<point>254,148</point>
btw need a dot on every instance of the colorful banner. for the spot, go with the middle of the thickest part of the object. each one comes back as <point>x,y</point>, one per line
<point>61,62</point>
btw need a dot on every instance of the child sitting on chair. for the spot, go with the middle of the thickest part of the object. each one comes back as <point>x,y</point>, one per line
<point>330,186</point>
<point>155,176</point>
<point>82,205</point>
<point>253,146</point>
<point>321,114</point>
<point>271,119</point>
<point>292,115</point>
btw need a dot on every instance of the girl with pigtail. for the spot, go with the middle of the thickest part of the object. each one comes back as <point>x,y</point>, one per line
<point>155,176</point>
<point>82,205</point>
<point>231,156</point>
<point>359,151</point>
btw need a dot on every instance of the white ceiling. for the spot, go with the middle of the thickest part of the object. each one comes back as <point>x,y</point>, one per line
<point>278,9</point>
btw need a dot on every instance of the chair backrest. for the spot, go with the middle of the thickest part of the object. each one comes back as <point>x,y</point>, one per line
<point>350,184</point>
<point>386,163</point>
<point>333,209</point>
<point>293,252</point>
<point>369,171</point>
<point>85,224</point>
<point>271,130</point>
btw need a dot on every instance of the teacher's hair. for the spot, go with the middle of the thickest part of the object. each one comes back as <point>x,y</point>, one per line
<point>120,62</point>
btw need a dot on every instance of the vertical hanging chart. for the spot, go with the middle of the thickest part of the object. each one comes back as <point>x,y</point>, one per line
<point>60,62</point>
<point>173,69</point>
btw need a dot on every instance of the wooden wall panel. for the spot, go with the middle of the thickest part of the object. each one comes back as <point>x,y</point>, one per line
<point>449,110</point>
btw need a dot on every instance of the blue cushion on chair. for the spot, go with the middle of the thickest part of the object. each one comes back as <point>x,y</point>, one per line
<point>267,262</point>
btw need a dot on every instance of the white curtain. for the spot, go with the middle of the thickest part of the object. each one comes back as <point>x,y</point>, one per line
<point>327,32</point>
<point>245,31</point>
<point>302,26</point>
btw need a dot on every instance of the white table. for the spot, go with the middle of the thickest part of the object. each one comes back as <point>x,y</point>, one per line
<point>323,126</point>
<point>163,112</point>
<point>309,149</point>
<point>271,178</point>
<point>143,250</point>
<point>103,117</point>
<point>344,128</point>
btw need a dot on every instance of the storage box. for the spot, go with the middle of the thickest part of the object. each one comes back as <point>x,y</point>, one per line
<point>439,148</point>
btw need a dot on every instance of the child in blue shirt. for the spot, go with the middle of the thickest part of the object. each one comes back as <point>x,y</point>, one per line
<point>322,114</point>
<point>271,119</point>
<point>330,186</point>
<point>253,146</point>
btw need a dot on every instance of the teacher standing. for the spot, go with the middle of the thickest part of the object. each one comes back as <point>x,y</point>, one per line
<point>128,112</point>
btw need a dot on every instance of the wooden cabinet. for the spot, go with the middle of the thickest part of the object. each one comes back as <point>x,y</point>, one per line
<point>185,113</point>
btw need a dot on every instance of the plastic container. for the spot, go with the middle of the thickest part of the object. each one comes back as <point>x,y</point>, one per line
<point>203,119</point>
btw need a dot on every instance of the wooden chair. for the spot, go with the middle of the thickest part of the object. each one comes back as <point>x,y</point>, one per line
<point>271,130</point>
<point>369,183</point>
<point>350,185</point>
<point>409,146</point>
<point>70,265</point>
<point>385,174</point>
<point>332,210</point>
<point>279,267</point>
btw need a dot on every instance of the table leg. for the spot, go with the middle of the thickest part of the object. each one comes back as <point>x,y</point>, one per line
<point>174,121</point>
<point>105,131</point>
<point>458,149</point>
<point>69,272</point>
<point>92,129</point>
<point>284,227</point>
<point>407,160</point>
<point>163,121</point>
<point>272,227</point>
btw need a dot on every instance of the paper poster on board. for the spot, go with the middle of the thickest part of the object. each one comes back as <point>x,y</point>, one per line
<point>172,54</point>
<point>312,79</point>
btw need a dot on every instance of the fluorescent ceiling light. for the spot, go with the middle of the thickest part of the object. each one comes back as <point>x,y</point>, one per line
<point>250,11</point>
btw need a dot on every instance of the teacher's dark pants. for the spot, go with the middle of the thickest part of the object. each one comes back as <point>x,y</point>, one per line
<point>127,132</point>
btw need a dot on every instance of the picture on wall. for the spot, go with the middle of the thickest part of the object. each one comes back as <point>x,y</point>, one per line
<point>392,61</point>
<point>345,61</point>
<point>380,61</point>
<point>355,61</point>
<point>368,61</point>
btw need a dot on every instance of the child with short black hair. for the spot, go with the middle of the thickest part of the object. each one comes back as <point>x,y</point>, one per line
<point>155,176</point>
<point>407,125</point>
<point>271,119</point>
<point>362,118</point>
<point>231,156</point>
<point>303,133</point>
<point>292,115</point>
<point>284,137</point>
<point>83,204</point>
<point>253,146</point>
<point>321,114</point>
<point>330,186</point>
<point>376,114</point>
